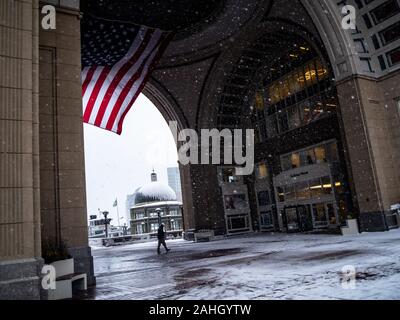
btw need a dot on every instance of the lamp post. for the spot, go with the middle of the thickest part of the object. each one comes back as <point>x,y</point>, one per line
<point>106,221</point>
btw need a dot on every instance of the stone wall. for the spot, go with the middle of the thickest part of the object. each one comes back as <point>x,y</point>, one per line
<point>19,150</point>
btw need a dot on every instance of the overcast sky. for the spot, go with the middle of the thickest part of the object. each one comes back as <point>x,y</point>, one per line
<point>118,165</point>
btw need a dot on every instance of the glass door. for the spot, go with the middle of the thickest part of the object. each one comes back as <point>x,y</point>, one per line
<point>320,216</point>
<point>305,218</point>
<point>298,219</point>
<point>292,219</point>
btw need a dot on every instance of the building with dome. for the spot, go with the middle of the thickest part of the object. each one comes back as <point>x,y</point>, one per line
<point>156,203</point>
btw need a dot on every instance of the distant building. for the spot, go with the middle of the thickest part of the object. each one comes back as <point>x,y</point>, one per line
<point>174,181</point>
<point>156,202</point>
<point>129,203</point>
<point>97,228</point>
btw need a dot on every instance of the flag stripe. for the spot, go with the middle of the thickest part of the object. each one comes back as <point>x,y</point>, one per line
<point>109,90</point>
<point>87,78</point>
<point>90,86</point>
<point>126,83</point>
<point>134,52</point>
<point>159,52</point>
<point>95,91</point>
<point>119,76</point>
<point>121,104</point>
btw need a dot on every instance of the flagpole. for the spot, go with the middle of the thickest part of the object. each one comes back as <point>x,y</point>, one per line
<point>119,224</point>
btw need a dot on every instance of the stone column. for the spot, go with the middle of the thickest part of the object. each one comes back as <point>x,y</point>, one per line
<point>62,166</point>
<point>202,199</point>
<point>371,130</point>
<point>20,262</point>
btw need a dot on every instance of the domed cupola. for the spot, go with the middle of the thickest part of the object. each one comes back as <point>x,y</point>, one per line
<point>154,191</point>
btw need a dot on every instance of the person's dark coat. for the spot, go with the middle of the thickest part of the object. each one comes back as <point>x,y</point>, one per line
<point>161,233</point>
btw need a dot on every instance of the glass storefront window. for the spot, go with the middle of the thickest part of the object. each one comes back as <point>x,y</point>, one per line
<point>294,82</point>
<point>302,191</point>
<point>311,159</point>
<point>295,157</point>
<point>305,112</point>
<point>290,193</point>
<point>235,202</point>
<point>286,162</point>
<point>331,104</point>
<point>293,118</point>
<point>139,215</point>
<point>322,72</point>
<point>320,215</point>
<point>274,93</point>
<point>314,155</point>
<point>263,198</point>
<point>309,74</point>
<point>285,90</point>
<point>238,222</point>
<point>283,121</point>
<point>301,79</point>
<point>140,228</point>
<point>153,214</point>
<point>316,188</point>
<point>326,185</point>
<point>320,154</point>
<point>304,158</point>
<point>291,219</point>
<point>317,109</point>
<point>266,219</point>
<point>331,214</point>
<point>332,152</point>
<point>262,171</point>
<point>175,225</point>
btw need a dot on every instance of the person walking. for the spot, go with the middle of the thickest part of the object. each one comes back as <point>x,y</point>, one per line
<point>161,238</point>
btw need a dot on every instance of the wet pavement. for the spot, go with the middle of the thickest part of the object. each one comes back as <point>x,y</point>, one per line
<point>259,266</point>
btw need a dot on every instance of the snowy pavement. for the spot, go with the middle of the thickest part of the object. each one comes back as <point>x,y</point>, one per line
<point>258,266</point>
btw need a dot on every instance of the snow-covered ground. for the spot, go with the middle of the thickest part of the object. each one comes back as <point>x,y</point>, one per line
<point>258,266</point>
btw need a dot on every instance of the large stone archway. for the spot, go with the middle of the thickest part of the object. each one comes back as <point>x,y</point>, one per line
<point>42,176</point>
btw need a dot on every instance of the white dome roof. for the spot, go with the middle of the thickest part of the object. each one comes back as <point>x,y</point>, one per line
<point>155,192</point>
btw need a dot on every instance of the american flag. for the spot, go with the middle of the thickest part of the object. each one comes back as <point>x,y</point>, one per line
<point>117,60</point>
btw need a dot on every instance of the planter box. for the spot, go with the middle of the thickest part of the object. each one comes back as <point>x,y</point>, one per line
<point>65,277</point>
<point>351,229</point>
<point>204,235</point>
<point>63,267</point>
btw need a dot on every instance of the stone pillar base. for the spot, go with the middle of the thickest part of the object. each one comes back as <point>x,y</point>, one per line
<point>372,222</point>
<point>21,279</point>
<point>84,263</point>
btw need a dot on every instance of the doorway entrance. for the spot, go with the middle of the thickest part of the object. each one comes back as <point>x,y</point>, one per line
<point>298,219</point>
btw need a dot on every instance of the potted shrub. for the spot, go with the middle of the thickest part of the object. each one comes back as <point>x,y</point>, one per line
<point>55,253</point>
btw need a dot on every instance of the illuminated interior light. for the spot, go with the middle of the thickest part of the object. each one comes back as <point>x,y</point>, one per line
<point>310,74</point>
<point>322,72</point>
